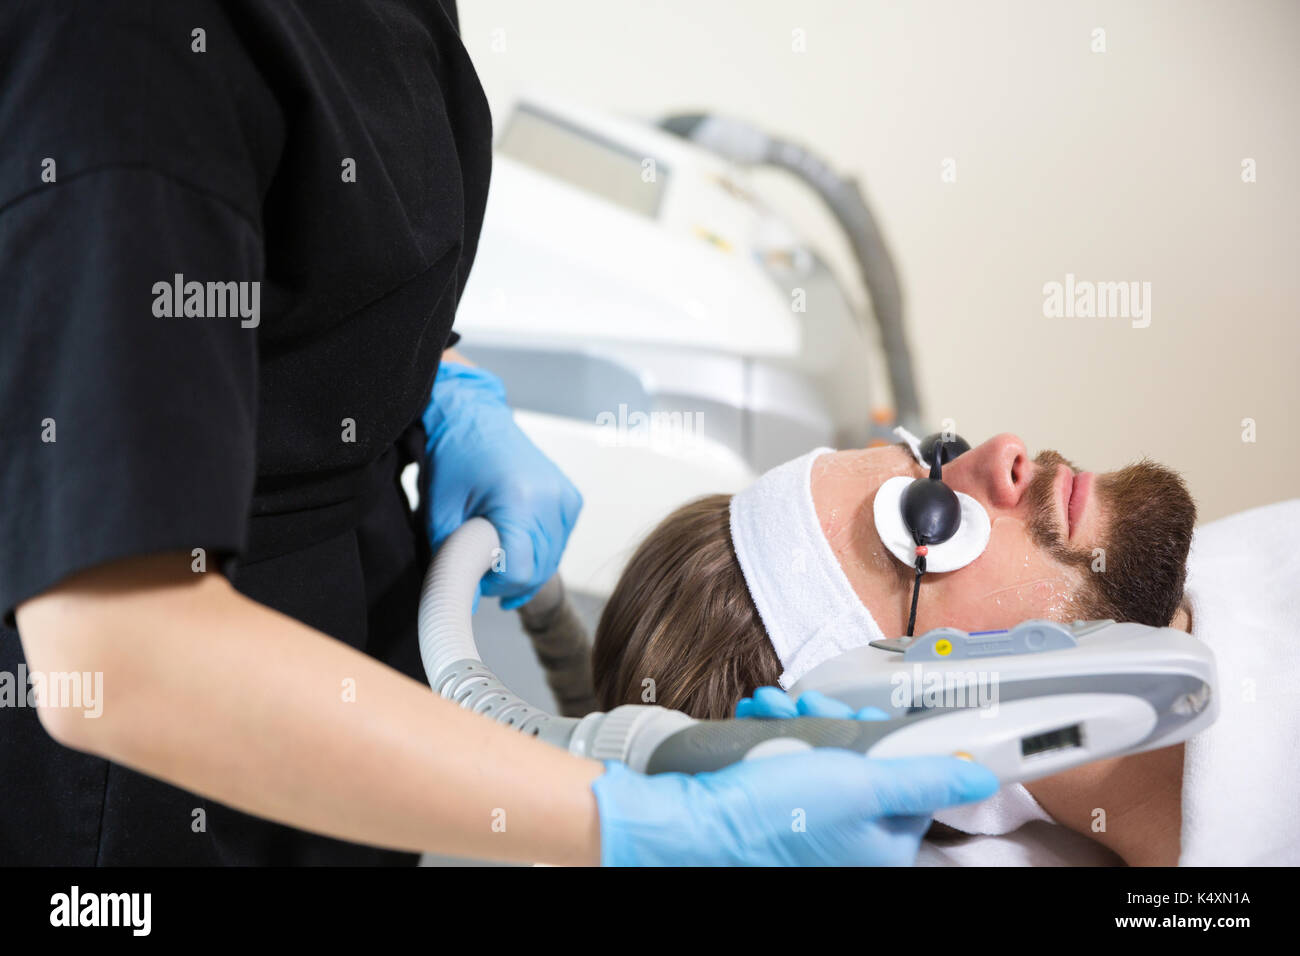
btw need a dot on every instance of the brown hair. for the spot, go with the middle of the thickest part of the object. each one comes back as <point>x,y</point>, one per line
<point>680,628</point>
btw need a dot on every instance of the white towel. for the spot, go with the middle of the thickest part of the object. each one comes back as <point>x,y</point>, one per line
<point>1034,844</point>
<point>808,606</point>
<point>1241,777</point>
<point>1009,809</point>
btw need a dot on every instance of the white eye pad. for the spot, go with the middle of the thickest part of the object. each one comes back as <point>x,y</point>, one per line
<point>961,549</point>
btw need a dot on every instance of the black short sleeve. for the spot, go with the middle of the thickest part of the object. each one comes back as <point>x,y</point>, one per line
<point>124,431</point>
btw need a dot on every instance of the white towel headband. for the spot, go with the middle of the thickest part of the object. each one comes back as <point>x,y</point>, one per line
<point>807,604</point>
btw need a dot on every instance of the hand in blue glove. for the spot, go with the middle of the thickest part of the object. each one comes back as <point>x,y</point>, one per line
<point>774,702</point>
<point>854,810</point>
<point>823,807</point>
<point>481,464</point>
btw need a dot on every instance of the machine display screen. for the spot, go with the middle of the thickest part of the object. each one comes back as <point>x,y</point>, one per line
<point>581,158</point>
<point>1062,739</point>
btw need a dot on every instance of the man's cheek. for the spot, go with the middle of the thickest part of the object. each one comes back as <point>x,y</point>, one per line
<point>1014,580</point>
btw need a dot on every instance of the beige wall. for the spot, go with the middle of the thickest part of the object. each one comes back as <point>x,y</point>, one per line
<point>1122,165</point>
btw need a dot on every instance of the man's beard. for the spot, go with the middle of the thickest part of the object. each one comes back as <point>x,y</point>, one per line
<point>1147,517</point>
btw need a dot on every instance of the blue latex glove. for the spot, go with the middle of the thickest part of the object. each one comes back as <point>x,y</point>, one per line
<point>481,465</point>
<point>822,807</point>
<point>857,811</point>
<point>774,702</point>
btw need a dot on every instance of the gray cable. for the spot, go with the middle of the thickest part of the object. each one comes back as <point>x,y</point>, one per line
<point>746,145</point>
<point>560,643</point>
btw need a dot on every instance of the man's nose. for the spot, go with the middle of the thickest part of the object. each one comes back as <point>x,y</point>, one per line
<point>997,471</point>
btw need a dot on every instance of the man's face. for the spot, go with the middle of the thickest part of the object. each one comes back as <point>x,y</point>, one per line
<point>1064,544</point>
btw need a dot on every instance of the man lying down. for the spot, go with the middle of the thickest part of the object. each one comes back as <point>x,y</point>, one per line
<point>683,616</point>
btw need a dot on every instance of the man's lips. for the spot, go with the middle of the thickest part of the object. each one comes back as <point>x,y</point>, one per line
<point>1080,488</point>
<point>1064,486</point>
<point>1067,488</point>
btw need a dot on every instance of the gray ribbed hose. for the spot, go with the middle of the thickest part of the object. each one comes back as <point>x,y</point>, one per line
<point>645,737</point>
<point>451,658</point>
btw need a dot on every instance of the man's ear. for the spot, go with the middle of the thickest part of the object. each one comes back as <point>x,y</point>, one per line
<point>1183,617</point>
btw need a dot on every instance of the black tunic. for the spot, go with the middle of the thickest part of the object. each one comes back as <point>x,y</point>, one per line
<point>128,157</point>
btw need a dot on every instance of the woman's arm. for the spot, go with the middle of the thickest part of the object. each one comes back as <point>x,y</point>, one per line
<point>223,696</point>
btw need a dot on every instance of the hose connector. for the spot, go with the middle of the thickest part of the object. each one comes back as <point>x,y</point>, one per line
<point>629,733</point>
